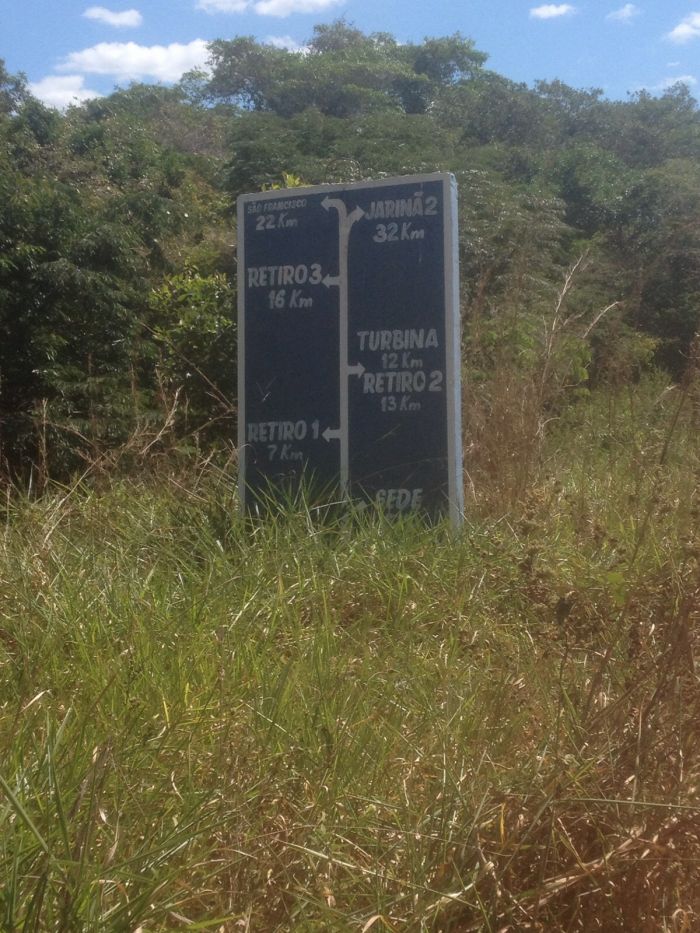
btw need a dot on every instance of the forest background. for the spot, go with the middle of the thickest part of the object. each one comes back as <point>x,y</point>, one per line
<point>117,233</point>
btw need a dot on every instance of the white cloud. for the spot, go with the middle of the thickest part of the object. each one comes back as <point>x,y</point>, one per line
<point>687,29</point>
<point>552,10</point>
<point>625,14</point>
<point>286,42</point>
<point>279,8</point>
<point>223,6</point>
<point>61,91</point>
<point>127,60</point>
<point>690,80</point>
<point>112,18</point>
<point>287,7</point>
<point>666,83</point>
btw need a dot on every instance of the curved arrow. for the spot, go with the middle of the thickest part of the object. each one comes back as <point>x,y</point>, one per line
<point>356,214</point>
<point>346,220</point>
<point>328,202</point>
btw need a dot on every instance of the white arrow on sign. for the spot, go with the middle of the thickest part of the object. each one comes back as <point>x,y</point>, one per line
<point>346,220</point>
<point>355,370</point>
<point>331,281</point>
<point>331,434</point>
<point>355,215</point>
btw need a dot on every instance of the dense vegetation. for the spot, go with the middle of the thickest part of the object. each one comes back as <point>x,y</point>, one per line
<point>355,725</point>
<point>117,235</point>
<point>360,726</point>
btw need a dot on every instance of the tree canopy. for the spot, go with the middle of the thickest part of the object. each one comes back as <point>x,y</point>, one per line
<point>117,237</point>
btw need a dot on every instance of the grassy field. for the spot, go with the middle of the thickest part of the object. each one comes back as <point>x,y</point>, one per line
<point>361,725</point>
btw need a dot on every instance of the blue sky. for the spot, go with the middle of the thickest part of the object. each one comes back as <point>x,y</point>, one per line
<point>74,49</point>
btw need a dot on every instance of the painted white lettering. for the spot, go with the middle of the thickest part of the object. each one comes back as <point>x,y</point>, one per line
<point>402,207</point>
<point>271,276</point>
<point>399,500</point>
<point>271,431</point>
<point>418,381</point>
<point>416,339</point>
<point>405,380</point>
<point>285,205</point>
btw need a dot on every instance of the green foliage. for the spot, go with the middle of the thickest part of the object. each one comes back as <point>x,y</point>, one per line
<point>96,210</point>
<point>192,321</point>
<point>13,91</point>
<point>344,73</point>
<point>111,203</point>
<point>490,109</point>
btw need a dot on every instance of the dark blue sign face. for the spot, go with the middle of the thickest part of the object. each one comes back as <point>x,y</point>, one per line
<point>349,344</point>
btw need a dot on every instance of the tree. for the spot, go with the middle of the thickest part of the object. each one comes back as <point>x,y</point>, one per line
<point>656,237</point>
<point>192,318</point>
<point>343,73</point>
<point>648,130</point>
<point>117,235</point>
<point>13,91</point>
<point>95,210</point>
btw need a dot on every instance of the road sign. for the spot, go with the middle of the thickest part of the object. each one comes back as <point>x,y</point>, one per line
<point>349,366</point>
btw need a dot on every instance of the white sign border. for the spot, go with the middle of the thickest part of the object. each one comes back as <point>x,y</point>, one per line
<point>452,318</point>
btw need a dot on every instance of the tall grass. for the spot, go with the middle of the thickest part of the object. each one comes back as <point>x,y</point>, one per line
<point>359,725</point>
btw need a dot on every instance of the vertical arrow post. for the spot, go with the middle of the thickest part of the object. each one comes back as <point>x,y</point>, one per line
<point>346,221</point>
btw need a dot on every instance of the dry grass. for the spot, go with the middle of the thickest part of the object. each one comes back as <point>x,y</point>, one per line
<point>360,726</point>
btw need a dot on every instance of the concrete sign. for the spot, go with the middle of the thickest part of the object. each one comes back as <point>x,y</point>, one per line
<point>349,365</point>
